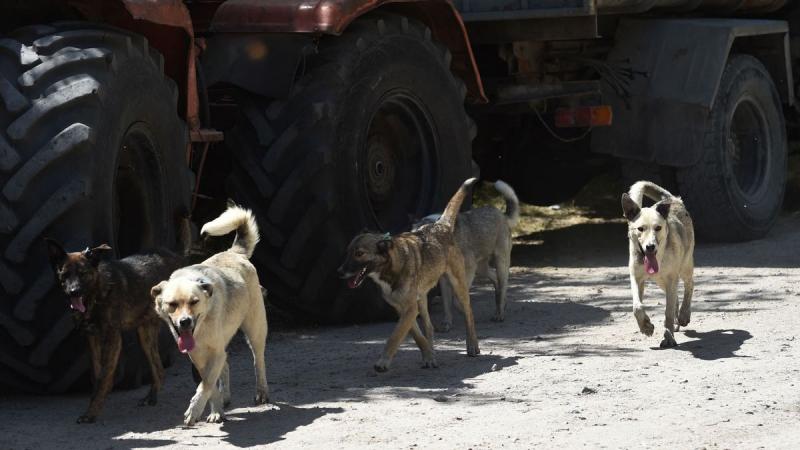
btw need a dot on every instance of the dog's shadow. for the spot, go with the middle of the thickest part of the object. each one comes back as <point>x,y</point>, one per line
<point>715,344</point>
<point>252,428</point>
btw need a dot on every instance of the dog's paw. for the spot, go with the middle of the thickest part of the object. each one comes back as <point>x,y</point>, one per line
<point>381,366</point>
<point>215,418</point>
<point>430,364</point>
<point>683,317</point>
<point>150,400</point>
<point>189,418</point>
<point>261,398</point>
<point>86,419</point>
<point>498,317</point>
<point>443,327</point>
<point>473,349</point>
<point>668,341</point>
<point>646,326</point>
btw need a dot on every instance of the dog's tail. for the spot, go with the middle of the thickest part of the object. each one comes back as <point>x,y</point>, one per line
<point>239,219</point>
<point>648,189</point>
<point>451,211</point>
<point>512,202</point>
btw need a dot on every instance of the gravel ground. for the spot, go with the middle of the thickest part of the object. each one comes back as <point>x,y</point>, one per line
<point>567,369</point>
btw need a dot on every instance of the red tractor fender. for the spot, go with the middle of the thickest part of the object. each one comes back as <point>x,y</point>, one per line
<point>333,16</point>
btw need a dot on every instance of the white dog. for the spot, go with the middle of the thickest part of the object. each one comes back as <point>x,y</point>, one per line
<point>206,303</point>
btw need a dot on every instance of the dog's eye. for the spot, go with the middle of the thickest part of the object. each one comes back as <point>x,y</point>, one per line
<point>658,228</point>
<point>194,302</point>
<point>359,253</point>
<point>172,305</point>
<point>641,228</point>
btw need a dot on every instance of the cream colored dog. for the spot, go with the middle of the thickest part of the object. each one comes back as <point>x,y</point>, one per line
<point>661,243</point>
<point>205,304</point>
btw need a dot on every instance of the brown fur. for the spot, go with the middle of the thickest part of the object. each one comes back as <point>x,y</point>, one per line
<point>406,267</point>
<point>116,298</point>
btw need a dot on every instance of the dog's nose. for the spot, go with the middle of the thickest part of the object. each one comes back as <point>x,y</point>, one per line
<point>650,247</point>
<point>74,292</point>
<point>185,322</point>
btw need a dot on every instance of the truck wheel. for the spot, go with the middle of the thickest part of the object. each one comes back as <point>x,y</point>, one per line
<point>373,135</point>
<point>735,191</point>
<point>85,158</point>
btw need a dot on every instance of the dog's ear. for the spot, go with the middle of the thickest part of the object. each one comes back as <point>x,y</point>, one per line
<point>663,208</point>
<point>156,290</point>
<point>206,287</point>
<point>384,245</point>
<point>96,254</point>
<point>55,252</point>
<point>629,207</point>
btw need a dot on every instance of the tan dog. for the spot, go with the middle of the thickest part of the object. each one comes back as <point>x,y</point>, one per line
<point>661,249</point>
<point>406,267</point>
<point>205,304</point>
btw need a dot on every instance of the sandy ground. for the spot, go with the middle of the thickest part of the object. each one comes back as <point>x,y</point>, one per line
<point>567,369</point>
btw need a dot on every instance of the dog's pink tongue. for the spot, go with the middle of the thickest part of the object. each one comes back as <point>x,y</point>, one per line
<point>76,303</point>
<point>650,264</point>
<point>186,342</point>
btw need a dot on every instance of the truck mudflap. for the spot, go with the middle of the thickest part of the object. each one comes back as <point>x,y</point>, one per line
<point>675,66</point>
<point>320,17</point>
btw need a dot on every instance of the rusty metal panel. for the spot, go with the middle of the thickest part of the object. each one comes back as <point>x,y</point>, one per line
<point>706,6</point>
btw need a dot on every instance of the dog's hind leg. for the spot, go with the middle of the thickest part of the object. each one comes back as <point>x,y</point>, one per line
<point>210,369</point>
<point>458,280</point>
<point>111,346</point>
<point>224,384</point>
<point>408,318</point>
<point>446,292</point>
<point>148,339</point>
<point>637,291</point>
<point>685,313</point>
<point>426,347</point>
<point>502,263</point>
<point>671,288</point>
<point>255,330</point>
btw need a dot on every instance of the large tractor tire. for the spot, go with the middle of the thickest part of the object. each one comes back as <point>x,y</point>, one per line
<point>373,135</point>
<point>735,192</point>
<point>91,151</point>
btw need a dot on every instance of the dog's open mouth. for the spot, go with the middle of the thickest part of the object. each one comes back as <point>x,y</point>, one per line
<point>76,304</point>
<point>650,263</point>
<point>186,341</point>
<point>356,280</point>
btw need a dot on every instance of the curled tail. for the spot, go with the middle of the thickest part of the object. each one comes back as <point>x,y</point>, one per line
<point>239,219</point>
<point>451,211</point>
<point>648,189</point>
<point>512,202</point>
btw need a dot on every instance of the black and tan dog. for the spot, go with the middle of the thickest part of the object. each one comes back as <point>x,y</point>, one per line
<point>406,267</point>
<point>108,297</point>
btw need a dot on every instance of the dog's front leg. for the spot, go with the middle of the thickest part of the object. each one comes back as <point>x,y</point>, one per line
<point>408,317</point>
<point>209,372</point>
<point>637,290</point>
<point>95,353</point>
<point>671,289</point>
<point>111,347</point>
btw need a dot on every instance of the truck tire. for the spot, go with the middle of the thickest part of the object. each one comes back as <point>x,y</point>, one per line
<point>373,135</point>
<point>85,158</point>
<point>735,191</point>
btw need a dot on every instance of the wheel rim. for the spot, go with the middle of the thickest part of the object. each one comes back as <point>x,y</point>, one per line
<point>748,148</point>
<point>136,193</point>
<point>398,162</point>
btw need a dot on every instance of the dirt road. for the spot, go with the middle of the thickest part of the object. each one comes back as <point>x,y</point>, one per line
<point>567,369</point>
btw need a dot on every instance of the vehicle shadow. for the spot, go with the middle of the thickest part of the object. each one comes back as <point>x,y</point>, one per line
<point>715,344</point>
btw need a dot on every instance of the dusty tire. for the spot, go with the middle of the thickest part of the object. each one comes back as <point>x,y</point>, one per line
<point>71,102</point>
<point>314,170</point>
<point>735,192</point>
